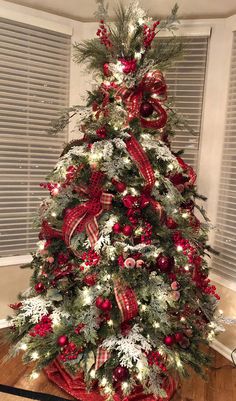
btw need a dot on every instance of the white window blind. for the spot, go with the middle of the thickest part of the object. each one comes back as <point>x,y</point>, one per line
<point>224,265</point>
<point>34,87</point>
<point>185,81</point>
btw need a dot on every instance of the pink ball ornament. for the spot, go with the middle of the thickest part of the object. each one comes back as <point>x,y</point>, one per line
<point>120,373</point>
<point>127,230</point>
<point>50,259</point>
<point>62,341</point>
<point>175,285</point>
<point>129,262</point>
<point>169,340</point>
<point>175,295</point>
<point>139,263</point>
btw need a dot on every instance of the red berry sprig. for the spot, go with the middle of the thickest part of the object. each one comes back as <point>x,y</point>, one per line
<point>103,34</point>
<point>149,34</point>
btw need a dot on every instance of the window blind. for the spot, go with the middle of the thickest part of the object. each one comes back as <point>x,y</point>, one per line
<point>185,80</point>
<point>224,265</point>
<point>34,88</point>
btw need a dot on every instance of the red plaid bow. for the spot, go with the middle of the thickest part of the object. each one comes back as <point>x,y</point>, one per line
<point>85,216</point>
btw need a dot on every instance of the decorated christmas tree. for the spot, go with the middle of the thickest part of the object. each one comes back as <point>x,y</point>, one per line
<point>120,302</point>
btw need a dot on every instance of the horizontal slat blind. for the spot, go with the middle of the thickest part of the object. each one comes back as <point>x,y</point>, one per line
<point>225,239</point>
<point>34,88</point>
<point>185,81</point>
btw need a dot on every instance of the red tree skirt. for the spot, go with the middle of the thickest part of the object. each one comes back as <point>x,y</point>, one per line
<point>75,386</point>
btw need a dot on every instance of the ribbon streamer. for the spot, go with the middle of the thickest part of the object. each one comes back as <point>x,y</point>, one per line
<point>126,301</point>
<point>139,156</point>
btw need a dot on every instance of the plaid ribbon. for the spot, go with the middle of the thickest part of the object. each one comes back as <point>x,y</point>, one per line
<point>139,156</point>
<point>84,217</point>
<point>153,84</point>
<point>48,232</point>
<point>102,356</point>
<point>126,301</point>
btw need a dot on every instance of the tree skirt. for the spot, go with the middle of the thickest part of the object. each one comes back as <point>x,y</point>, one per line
<point>75,386</point>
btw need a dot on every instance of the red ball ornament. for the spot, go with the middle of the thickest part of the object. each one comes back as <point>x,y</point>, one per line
<point>146,109</point>
<point>99,302</point>
<point>120,186</point>
<point>39,287</point>
<point>169,340</point>
<point>62,341</point>
<point>90,279</point>
<point>106,305</point>
<point>171,223</point>
<point>129,201</point>
<point>127,230</point>
<point>164,263</point>
<point>117,228</point>
<point>120,373</point>
<point>179,337</point>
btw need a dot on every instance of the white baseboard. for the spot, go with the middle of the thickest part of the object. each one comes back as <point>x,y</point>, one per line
<point>3,323</point>
<point>222,349</point>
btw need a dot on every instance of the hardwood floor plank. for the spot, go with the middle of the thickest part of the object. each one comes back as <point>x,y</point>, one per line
<point>220,385</point>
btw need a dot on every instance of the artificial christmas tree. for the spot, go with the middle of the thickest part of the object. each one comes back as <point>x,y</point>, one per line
<point>120,301</point>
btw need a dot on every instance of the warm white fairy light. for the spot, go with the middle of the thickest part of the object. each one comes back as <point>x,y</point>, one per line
<point>156,325</point>
<point>41,245</point>
<point>23,347</point>
<point>178,362</point>
<point>103,382</point>
<point>53,214</point>
<point>170,166</point>
<point>34,355</point>
<point>34,375</point>
<point>93,373</point>
<point>220,311</point>
<point>179,248</point>
<point>186,268</point>
<point>87,298</point>
<point>125,385</point>
<point>185,215</point>
<point>182,319</point>
<point>110,322</point>
<point>143,308</point>
<point>106,277</point>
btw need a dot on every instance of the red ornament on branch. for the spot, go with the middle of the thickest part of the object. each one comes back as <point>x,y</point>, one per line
<point>164,263</point>
<point>146,109</point>
<point>62,341</point>
<point>120,373</point>
<point>39,287</point>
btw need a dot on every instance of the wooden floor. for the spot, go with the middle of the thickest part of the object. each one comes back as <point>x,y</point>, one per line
<point>221,384</point>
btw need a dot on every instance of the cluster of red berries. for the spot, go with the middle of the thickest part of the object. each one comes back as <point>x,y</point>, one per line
<point>155,358</point>
<point>90,258</point>
<point>188,249</point>
<point>147,234</point>
<point>70,352</point>
<point>149,34</point>
<point>128,65</point>
<point>203,282</point>
<point>42,328</point>
<point>79,328</point>
<point>54,188</point>
<point>103,34</point>
<point>62,258</point>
